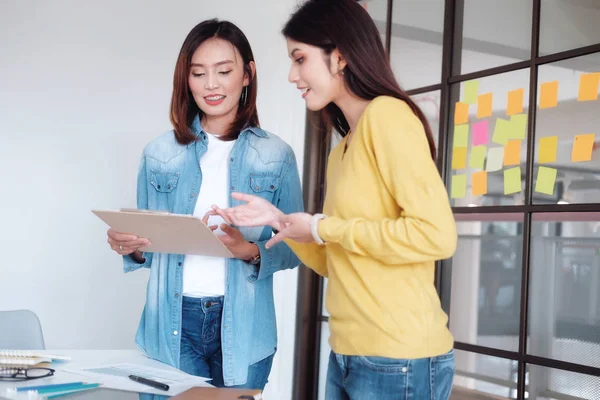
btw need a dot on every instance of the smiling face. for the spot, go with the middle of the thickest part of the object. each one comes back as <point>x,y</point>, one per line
<point>316,74</point>
<point>217,78</point>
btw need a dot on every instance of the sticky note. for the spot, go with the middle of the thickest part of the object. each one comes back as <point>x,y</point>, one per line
<point>546,180</point>
<point>588,86</point>
<point>518,127</point>
<point>582,147</point>
<point>549,94</point>
<point>477,158</point>
<point>459,186</point>
<point>512,180</point>
<point>495,157</point>
<point>471,89</point>
<point>480,133</point>
<point>547,149</point>
<point>512,152</point>
<point>459,158</point>
<point>484,105</point>
<point>461,136</point>
<point>461,113</point>
<point>515,102</point>
<point>479,183</point>
<point>501,131</point>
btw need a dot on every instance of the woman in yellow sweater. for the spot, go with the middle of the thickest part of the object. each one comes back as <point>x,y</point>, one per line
<point>386,217</point>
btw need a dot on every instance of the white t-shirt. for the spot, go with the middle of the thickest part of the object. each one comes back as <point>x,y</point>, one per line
<point>205,276</point>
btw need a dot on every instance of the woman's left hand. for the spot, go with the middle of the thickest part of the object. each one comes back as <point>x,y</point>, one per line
<point>234,240</point>
<point>296,227</point>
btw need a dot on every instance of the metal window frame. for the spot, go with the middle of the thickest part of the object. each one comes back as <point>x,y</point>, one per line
<point>310,286</point>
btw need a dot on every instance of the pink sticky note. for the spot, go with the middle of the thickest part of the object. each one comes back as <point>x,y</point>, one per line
<point>480,133</point>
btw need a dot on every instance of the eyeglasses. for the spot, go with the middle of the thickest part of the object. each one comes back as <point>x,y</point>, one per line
<point>23,374</point>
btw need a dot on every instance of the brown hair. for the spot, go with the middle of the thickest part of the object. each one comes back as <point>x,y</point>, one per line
<point>183,106</point>
<point>345,25</point>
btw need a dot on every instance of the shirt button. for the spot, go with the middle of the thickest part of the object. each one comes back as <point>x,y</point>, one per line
<point>176,295</point>
<point>175,333</point>
<point>232,188</point>
<point>231,159</point>
<point>180,263</point>
<point>404,369</point>
<point>193,195</point>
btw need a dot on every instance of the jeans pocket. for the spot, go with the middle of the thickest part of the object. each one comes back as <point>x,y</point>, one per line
<point>385,364</point>
<point>442,375</point>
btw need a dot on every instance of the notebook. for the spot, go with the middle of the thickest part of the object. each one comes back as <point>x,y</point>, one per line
<point>27,357</point>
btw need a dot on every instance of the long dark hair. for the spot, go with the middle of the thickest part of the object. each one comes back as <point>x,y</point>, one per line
<point>183,106</point>
<point>345,25</point>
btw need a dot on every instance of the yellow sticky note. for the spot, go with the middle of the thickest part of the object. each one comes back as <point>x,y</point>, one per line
<point>484,105</point>
<point>512,152</point>
<point>501,131</point>
<point>479,183</point>
<point>588,86</point>
<point>546,179</point>
<point>461,113</point>
<point>471,89</point>
<point>549,94</point>
<point>459,158</point>
<point>477,159</point>
<point>461,136</point>
<point>583,147</point>
<point>512,180</point>
<point>547,149</point>
<point>515,102</point>
<point>518,127</point>
<point>459,186</point>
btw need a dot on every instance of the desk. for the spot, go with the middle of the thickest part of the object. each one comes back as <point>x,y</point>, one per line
<point>95,357</point>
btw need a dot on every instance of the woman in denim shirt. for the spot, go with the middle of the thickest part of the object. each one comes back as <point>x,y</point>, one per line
<point>213,317</point>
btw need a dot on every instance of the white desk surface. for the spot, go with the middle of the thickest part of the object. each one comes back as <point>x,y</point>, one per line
<point>93,357</point>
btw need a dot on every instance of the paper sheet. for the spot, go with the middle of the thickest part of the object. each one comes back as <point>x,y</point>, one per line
<point>484,105</point>
<point>583,147</point>
<point>471,89</point>
<point>116,376</point>
<point>495,158</point>
<point>461,136</point>
<point>477,159</point>
<point>515,102</point>
<point>480,133</point>
<point>547,150</point>
<point>588,87</point>
<point>546,179</point>
<point>459,186</point>
<point>479,183</point>
<point>549,94</point>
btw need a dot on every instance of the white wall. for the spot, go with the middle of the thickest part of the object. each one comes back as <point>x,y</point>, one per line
<point>82,89</point>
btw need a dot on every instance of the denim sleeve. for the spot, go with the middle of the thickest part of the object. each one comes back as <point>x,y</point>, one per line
<point>280,256</point>
<point>129,264</point>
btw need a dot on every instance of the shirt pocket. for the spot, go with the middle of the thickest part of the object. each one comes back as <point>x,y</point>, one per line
<point>164,182</point>
<point>265,185</point>
<point>162,196</point>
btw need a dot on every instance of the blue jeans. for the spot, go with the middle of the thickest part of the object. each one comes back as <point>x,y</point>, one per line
<point>201,344</point>
<point>380,378</point>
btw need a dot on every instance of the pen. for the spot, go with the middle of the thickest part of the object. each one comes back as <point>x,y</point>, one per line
<point>149,382</point>
<point>57,386</point>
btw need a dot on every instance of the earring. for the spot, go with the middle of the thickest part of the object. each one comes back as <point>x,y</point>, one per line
<point>342,72</point>
<point>244,96</point>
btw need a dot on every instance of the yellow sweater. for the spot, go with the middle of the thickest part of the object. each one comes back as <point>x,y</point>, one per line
<point>389,220</point>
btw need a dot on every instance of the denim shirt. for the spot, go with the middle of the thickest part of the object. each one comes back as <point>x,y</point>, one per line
<point>169,179</point>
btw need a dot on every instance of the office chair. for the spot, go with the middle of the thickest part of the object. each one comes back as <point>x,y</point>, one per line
<point>20,330</point>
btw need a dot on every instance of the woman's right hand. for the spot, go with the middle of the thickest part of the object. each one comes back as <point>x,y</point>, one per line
<point>256,212</point>
<point>125,244</point>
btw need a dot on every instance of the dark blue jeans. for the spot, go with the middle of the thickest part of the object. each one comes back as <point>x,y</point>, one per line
<point>380,378</point>
<point>201,344</point>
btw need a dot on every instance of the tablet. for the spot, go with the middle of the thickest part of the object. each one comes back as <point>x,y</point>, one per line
<point>168,233</point>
